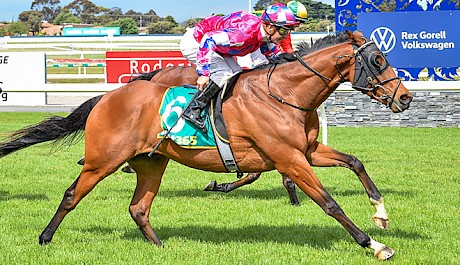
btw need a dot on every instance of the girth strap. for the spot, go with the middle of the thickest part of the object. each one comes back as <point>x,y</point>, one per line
<point>221,137</point>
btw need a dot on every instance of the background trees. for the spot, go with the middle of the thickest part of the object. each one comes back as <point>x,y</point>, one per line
<point>66,17</point>
<point>32,19</point>
<point>320,17</point>
<point>127,25</point>
<point>48,8</point>
<point>16,28</point>
<point>85,10</point>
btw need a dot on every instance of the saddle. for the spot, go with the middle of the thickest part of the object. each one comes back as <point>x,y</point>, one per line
<point>186,135</point>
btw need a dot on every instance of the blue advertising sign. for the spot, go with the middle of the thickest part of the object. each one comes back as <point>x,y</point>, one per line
<point>346,11</point>
<point>415,39</point>
<point>105,31</point>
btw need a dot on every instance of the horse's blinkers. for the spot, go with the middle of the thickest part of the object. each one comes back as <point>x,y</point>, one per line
<point>367,64</point>
<point>370,62</point>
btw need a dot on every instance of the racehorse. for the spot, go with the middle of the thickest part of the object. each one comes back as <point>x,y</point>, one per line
<point>177,76</point>
<point>122,126</point>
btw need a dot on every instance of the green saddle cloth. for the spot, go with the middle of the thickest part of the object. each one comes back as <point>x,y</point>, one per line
<point>184,134</point>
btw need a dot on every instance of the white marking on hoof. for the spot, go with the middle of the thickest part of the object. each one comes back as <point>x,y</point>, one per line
<point>381,251</point>
<point>381,213</point>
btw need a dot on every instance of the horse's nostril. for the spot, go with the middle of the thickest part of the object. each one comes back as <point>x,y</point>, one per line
<point>405,99</point>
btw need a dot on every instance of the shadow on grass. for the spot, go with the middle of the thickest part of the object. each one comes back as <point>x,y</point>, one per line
<point>270,194</point>
<point>241,193</point>
<point>6,196</point>
<point>345,193</point>
<point>321,237</point>
<point>397,233</point>
<point>314,236</point>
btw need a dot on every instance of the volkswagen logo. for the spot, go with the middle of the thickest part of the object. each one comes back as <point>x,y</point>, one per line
<point>384,38</point>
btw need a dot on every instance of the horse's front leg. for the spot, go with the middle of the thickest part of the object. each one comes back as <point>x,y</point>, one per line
<point>250,178</point>
<point>324,156</point>
<point>290,188</point>
<point>227,187</point>
<point>296,167</point>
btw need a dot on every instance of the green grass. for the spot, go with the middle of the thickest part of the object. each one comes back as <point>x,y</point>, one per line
<point>416,169</point>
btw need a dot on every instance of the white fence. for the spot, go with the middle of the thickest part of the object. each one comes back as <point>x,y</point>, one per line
<point>92,44</point>
<point>75,94</point>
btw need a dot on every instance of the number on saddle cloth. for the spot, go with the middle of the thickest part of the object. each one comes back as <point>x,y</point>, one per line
<point>175,100</point>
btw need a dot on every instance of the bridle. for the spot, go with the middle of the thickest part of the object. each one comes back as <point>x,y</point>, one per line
<point>370,62</point>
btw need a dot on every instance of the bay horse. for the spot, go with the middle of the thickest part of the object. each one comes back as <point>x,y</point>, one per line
<point>177,76</point>
<point>122,126</point>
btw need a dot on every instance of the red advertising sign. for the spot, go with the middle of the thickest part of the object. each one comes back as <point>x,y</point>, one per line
<point>122,65</point>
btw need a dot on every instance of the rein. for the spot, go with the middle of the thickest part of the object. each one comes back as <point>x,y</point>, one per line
<point>368,70</point>
<point>279,99</point>
<point>304,64</point>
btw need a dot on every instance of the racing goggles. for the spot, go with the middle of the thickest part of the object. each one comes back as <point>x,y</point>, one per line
<point>283,31</point>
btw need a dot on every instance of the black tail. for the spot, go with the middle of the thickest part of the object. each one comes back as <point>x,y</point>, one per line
<point>54,128</point>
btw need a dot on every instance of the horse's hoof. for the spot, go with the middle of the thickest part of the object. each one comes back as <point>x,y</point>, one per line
<point>128,169</point>
<point>81,161</point>
<point>211,186</point>
<point>384,253</point>
<point>381,223</point>
<point>42,241</point>
<point>295,201</point>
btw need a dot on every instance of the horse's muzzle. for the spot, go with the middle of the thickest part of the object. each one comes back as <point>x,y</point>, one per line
<point>402,102</point>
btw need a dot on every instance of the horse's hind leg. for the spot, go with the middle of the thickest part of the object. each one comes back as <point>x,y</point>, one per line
<point>149,174</point>
<point>86,181</point>
<point>126,169</point>
<point>324,156</point>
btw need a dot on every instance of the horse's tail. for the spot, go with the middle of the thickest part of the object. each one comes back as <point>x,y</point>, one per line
<point>55,128</point>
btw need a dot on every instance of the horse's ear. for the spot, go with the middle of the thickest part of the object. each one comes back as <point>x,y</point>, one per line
<point>349,34</point>
<point>358,33</point>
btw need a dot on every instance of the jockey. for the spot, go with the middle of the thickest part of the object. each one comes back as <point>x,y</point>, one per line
<point>300,13</point>
<point>257,58</point>
<point>214,42</point>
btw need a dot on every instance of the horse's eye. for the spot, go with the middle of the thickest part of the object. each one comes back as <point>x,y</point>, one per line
<point>377,60</point>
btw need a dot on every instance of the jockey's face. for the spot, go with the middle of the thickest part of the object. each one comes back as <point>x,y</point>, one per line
<point>277,38</point>
<point>276,34</point>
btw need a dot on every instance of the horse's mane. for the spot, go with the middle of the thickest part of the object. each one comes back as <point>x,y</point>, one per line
<point>145,76</point>
<point>304,48</point>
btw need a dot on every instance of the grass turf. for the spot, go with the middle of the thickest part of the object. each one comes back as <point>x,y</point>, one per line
<point>416,169</point>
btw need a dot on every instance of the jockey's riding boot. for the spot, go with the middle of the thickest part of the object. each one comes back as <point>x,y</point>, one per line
<point>199,102</point>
